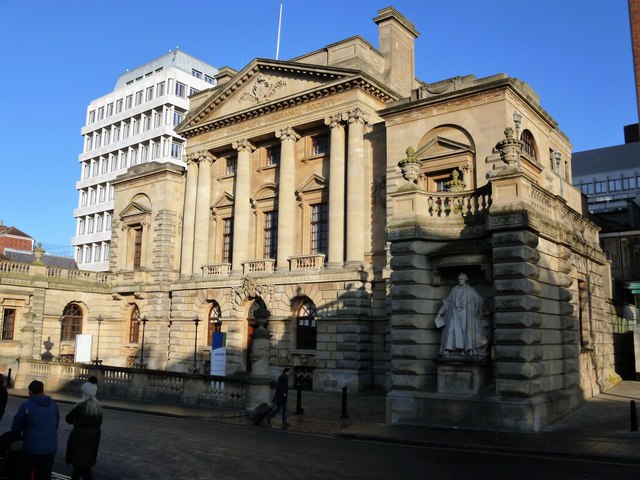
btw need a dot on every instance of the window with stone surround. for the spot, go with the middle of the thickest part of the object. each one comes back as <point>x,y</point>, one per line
<point>71,324</point>
<point>306,325</point>
<point>319,228</point>
<point>320,144</point>
<point>227,240</point>
<point>214,323</point>
<point>8,323</point>
<point>529,146</point>
<point>270,237</point>
<point>134,325</point>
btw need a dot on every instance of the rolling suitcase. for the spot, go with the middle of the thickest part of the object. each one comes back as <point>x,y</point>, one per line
<point>260,412</point>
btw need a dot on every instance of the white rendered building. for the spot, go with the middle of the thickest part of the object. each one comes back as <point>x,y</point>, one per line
<point>131,125</point>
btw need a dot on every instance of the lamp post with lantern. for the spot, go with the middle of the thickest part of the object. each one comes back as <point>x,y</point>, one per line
<point>142,320</point>
<point>97,361</point>
<point>196,320</point>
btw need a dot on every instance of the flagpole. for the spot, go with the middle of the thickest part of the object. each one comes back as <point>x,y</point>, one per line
<point>279,26</point>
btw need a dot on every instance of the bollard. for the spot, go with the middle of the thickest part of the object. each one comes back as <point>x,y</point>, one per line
<point>299,409</point>
<point>344,403</point>
<point>634,416</point>
<point>9,378</point>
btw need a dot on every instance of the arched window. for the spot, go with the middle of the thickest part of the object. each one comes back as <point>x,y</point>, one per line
<point>306,326</point>
<point>214,323</point>
<point>529,144</point>
<point>134,325</point>
<point>71,322</point>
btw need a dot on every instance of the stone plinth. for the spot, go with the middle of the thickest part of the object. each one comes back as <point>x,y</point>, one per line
<point>461,375</point>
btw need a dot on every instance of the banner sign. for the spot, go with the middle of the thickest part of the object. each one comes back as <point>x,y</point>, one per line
<point>219,354</point>
<point>83,349</point>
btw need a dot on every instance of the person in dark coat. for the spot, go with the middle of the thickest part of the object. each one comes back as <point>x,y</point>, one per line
<point>4,396</point>
<point>280,398</point>
<point>84,440</point>
<point>36,422</point>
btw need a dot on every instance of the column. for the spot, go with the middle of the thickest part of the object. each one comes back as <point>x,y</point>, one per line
<point>189,215</point>
<point>356,193</point>
<point>286,196</point>
<point>203,214</point>
<point>336,192</point>
<point>241,205</point>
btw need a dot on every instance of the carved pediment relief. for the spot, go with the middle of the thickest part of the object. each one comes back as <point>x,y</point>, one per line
<point>223,201</point>
<point>134,209</point>
<point>314,183</point>
<point>441,146</point>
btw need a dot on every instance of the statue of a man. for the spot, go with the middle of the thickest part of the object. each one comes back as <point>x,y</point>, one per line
<point>460,315</point>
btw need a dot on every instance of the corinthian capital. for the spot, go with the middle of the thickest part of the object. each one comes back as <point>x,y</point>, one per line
<point>243,145</point>
<point>287,133</point>
<point>334,120</point>
<point>356,116</point>
<point>199,156</point>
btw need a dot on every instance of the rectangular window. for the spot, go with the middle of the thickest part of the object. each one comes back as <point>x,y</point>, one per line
<point>157,119</point>
<point>136,127</point>
<point>587,188</point>
<point>273,155</point>
<point>101,195</point>
<point>90,225</point>
<point>107,137</point>
<point>319,228</point>
<point>176,148</point>
<point>125,130</point>
<point>83,198</point>
<point>149,94</point>
<point>628,183</point>
<point>209,79</point>
<point>80,227</point>
<point>116,134</point>
<point>92,116</point>
<point>86,170</point>
<point>118,106</point>
<point>146,123</point>
<point>8,323</point>
<point>160,89</point>
<point>320,145</point>
<point>105,251</point>
<point>138,97</point>
<point>104,165</point>
<point>193,91</point>
<point>97,253</point>
<point>181,89</point>
<point>232,166</point>
<point>109,109</point>
<point>144,152</point>
<point>615,185</point>
<point>107,221</point>
<point>196,73</point>
<point>177,118</point>
<point>100,113</point>
<point>99,223</point>
<point>155,150</point>
<point>270,249</point>
<point>227,240</point>
<point>98,140</point>
<point>600,187</point>
<point>128,102</point>
<point>111,190</point>
<point>137,247</point>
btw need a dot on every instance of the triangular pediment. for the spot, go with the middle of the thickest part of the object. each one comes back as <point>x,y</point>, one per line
<point>224,200</point>
<point>312,184</point>
<point>133,209</point>
<point>265,86</point>
<point>441,147</point>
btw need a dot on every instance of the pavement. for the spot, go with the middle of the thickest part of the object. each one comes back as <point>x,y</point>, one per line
<point>600,430</point>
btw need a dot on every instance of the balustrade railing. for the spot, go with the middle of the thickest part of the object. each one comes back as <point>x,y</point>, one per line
<point>120,382</point>
<point>216,270</point>
<point>307,262</point>
<point>463,204</point>
<point>258,266</point>
<point>12,267</point>
<point>53,272</point>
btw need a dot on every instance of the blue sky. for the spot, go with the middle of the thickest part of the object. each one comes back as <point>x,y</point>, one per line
<point>60,55</point>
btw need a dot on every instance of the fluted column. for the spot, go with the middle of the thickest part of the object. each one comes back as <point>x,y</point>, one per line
<point>336,191</point>
<point>286,196</point>
<point>241,205</point>
<point>355,189</point>
<point>203,202</point>
<point>189,214</point>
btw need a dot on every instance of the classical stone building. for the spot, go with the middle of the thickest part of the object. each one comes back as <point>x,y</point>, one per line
<point>336,199</point>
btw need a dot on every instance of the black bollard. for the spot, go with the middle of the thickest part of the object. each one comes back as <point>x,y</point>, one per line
<point>9,378</point>
<point>299,409</point>
<point>634,416</point>
<point>344,403</point>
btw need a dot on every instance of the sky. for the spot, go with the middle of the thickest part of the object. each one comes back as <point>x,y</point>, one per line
<point>59,55</point>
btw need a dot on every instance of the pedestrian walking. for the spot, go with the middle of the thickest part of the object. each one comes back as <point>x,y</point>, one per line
<point>84,440</point>
<point>36,422</point>
<point>280,398</point>
<point>4,396</point>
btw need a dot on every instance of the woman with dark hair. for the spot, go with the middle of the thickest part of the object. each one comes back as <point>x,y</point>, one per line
<point>82,446</point>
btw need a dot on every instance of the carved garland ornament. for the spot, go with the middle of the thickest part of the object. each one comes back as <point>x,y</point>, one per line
<point>263,89</point>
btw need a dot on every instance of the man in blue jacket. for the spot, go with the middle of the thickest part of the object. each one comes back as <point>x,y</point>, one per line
<point>36,422</point>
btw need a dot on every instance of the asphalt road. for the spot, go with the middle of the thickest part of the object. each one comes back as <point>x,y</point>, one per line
<point>138,446</point>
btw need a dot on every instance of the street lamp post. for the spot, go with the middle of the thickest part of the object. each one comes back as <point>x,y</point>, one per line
<point>61,333</point>
<point>196,320</point>
<point>558,156</point>
<point>97,361</point>
<point>142,320</point>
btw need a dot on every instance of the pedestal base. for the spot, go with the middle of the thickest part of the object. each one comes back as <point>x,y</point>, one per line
<point>461,375</point>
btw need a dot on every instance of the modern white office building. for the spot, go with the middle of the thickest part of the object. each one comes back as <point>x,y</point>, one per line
<point>131,125</point>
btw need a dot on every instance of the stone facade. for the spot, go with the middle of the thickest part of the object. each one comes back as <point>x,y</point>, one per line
<point>341,197</point>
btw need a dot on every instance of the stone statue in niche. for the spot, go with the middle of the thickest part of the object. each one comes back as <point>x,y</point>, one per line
<point>460,315</point>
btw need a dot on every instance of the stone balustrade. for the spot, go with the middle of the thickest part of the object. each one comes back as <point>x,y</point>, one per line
<point>216,270</point>
<point>258,266</point>
<point>139,384</point>
<point>306,263</point>
<point>53,272</point>
<point>460,204</point>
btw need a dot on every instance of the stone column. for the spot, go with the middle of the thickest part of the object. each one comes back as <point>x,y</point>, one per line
<point>241,205</point>
<point>336,192</point>
<point>203,214</point>
<point>189,215</point>
<point>286,196</point>
<point>356,200</point>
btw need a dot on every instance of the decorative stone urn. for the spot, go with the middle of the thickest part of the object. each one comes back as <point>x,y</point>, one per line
<point>455,185</point>
<point>411,167</point>
<point>510,148</point>
<point>38,251</point>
